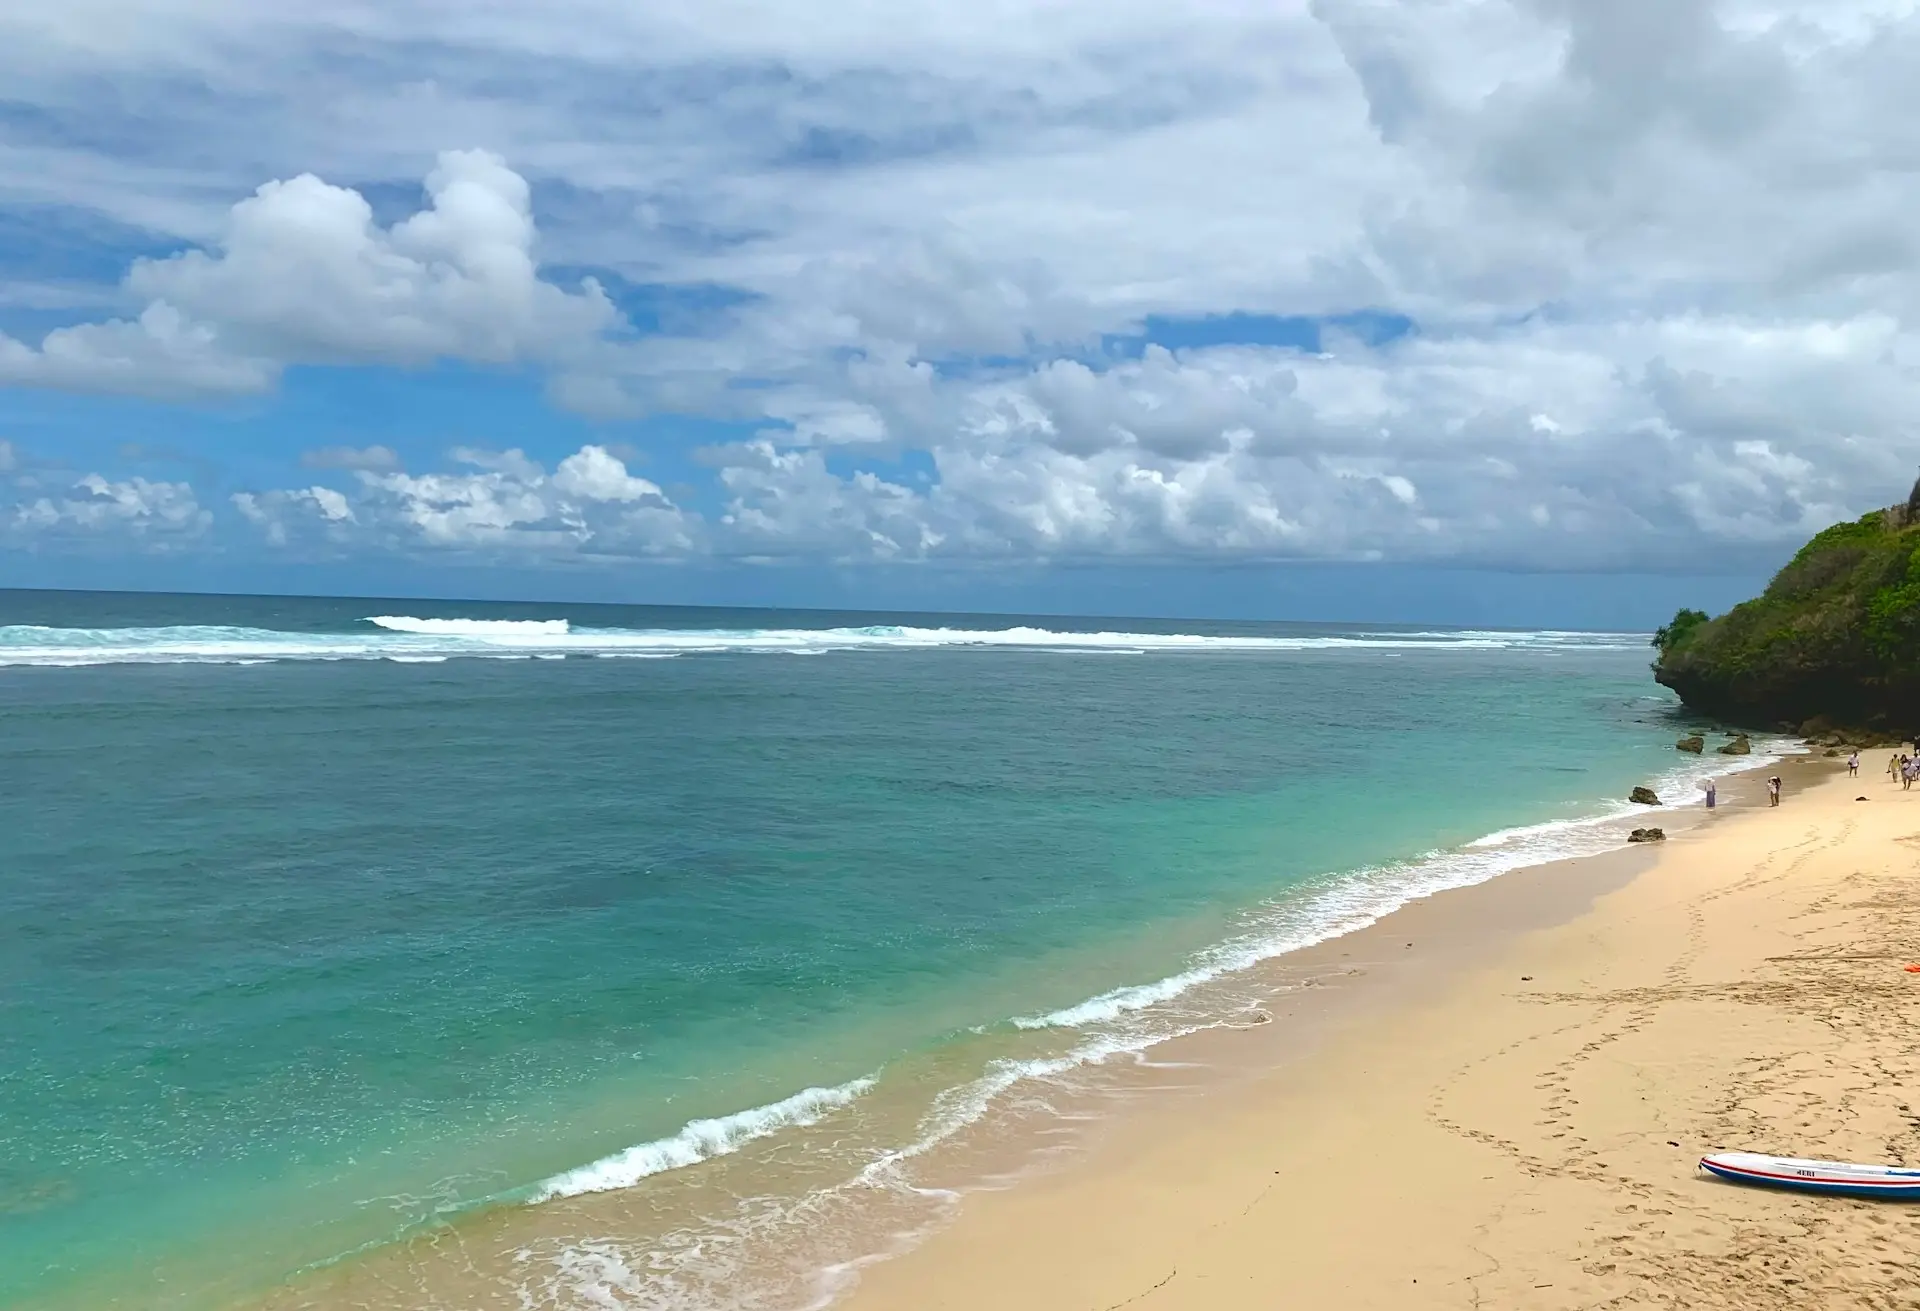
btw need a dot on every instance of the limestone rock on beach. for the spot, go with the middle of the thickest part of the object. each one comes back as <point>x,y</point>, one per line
<point>1693,742</point>
<point>1647,835</point>
<point>1644,796</point>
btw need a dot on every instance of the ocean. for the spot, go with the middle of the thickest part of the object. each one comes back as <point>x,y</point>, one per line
<point>666,950</point>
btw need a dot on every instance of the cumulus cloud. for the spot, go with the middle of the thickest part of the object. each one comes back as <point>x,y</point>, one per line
<point>302,273</point>
<point>497,503</point>
<point>161,354</point>
<point>314,514</point>
<point>156,515</point>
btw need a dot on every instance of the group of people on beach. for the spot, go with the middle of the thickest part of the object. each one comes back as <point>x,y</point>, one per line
<point>1903,768</point>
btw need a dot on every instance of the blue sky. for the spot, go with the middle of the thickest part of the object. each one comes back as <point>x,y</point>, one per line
<point>1338,309</point>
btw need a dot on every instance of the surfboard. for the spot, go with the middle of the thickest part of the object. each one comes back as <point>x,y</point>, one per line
<point>1889,1182</point>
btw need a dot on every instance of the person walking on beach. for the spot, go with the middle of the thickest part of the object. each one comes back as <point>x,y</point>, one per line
<point>1773,790</point>
<point>1713,796</point>
<point>1853,765</point>
<point>1894,762</point>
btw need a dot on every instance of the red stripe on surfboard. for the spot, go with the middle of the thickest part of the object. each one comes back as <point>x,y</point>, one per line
<point>1912,1181</point>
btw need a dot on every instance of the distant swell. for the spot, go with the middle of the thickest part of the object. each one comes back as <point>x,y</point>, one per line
<point>701,1140</point>
<point>409,639</point>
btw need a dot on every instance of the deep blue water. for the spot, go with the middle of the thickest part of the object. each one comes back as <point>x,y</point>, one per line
<point>314,930</point>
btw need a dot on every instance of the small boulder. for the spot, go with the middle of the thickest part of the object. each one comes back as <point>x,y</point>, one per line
<point>1831,751</point>
<point>1644,797</point>
<point>1817,727</point>
<point>1696,744</point>
<point>1647,835</point>
<point>1738,747</point>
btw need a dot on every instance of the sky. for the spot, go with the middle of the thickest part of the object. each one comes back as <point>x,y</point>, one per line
<point>1525,311</point>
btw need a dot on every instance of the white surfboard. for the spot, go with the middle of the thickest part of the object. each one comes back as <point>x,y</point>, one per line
<point>1845,1178</point>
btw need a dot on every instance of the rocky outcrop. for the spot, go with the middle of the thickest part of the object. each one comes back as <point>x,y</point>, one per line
<point>1694,743</point>
<point>1643,797</point>
<point>1647,835</point>
<point>1833,642</point>
<point>1740,746</point>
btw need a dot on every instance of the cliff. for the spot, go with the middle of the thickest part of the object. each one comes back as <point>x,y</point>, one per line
<point>1835,637</point>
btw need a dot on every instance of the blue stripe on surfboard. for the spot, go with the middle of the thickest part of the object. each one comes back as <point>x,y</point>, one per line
<point>1895,1189</point>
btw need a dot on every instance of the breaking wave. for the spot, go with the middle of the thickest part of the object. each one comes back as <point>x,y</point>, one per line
<point>701,1140</point>
<point>472,627</point>
<point>411,639</point>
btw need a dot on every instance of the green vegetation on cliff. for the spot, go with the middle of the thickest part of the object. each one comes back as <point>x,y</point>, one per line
<point>1835,636</point>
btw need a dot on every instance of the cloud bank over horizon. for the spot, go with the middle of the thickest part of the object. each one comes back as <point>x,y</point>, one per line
<point>1512,284</point>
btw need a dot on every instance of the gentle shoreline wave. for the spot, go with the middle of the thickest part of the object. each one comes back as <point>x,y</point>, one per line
<point>702,1140</point>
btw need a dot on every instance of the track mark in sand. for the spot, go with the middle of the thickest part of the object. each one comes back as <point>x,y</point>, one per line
<point>1842,1094</point>
<point>1676,1245</point>
<point>1482,1232</point>
<point>1436,1104</point>
<point>1145,1292</point>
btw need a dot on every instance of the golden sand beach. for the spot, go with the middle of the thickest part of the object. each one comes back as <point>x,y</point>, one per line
<point>1514,1121</point>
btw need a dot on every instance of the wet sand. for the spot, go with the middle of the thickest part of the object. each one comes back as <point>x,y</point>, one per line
<point>1507,1112</point>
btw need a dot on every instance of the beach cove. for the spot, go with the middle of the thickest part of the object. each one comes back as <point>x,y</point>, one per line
<point>1515,1122</point>
<point>602,957</point>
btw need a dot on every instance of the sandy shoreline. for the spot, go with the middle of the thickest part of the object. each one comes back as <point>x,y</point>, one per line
<point>1507,1113</point>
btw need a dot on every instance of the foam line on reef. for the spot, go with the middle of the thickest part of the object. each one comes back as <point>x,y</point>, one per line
<point>408,638</point>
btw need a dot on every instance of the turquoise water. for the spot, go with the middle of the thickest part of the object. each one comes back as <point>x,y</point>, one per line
<point>314,930</point>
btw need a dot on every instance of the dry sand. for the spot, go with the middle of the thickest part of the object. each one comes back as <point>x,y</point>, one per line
<point>1516,1125</point>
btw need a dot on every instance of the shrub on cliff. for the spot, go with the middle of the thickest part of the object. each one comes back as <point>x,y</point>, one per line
<point>1836,634</point>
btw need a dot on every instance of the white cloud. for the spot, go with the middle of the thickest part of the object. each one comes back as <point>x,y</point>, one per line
<point>1659,253</point>
<point>161,353</point>
<point>314,513</point>
<point>500,503</point>
<point>593,474</point>
<point>303,274</point>
<point>157,515</point>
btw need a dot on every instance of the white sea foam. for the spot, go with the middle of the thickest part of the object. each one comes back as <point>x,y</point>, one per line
<point>508,628</point>
<point>701,1140</point>
<point>400,636</point>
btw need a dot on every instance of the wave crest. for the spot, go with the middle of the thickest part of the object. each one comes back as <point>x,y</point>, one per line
<point>472,627</point>
<point>701,1140</point>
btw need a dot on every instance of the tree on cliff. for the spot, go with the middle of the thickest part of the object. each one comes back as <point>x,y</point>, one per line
<point>1835,635</point>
